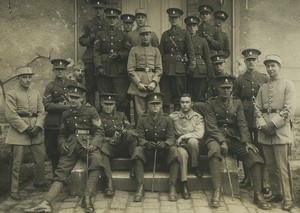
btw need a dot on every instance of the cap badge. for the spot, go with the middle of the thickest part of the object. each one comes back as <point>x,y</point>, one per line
<point>75,90</point>
<point>109,97</point>
<point>155,97</point>
<point>250,53</point>
<point>98,2</point>
<point>192,19</point>
<point>173,11</point>
<point>128,17</point>
<point>226,80</point>
<point>222,14</point>
<point>218,58</point>
<point>204,8</point>
<point>111,11</point>
<point>60,63</point>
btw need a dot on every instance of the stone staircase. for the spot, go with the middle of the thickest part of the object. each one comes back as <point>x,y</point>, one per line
<point>122,181</point>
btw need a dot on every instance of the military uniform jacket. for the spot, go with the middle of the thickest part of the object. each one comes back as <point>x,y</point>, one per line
<point>107,41</point>
<point>280,96</point>
<point>188,126</point>
<point>144,65</point>
<point>90,29</point>
<point>225,120</point>
<point>81,126</point>
<point>203,63</point>
<point>214,33</point>
<point>24,108</point>
<point>246,87</point>
<point>172,56</point>
<point>133,39</point>
<point>161,129</point>
<point>55,101</point>
<point>226,44</point>
<point>115,122</point>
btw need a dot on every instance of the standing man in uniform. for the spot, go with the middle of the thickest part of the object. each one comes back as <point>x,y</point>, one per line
<point>275,107</point>
<point>90,29</point>
<point>206,30</point>
<point>78,73</point>
<point>145,70</point>
<point>24,111</point>
<point>227,132</point>
<point>55,101</point>
<point>199,76</point>
<point>219,66</point>
<point>246,87</point>
<point>110,58</point>
<point>128,20</point>
<point>220,17</point>
<point>156,135</point>
<point>189,130</point>
<point>134,36</point>
<point>178,55</point>
<point>80,135</point>
<point>120,138</point>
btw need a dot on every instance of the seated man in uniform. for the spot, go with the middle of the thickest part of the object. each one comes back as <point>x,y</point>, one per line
<point>80,135</point>
<point>228,133</point>
<point>189,129</point>
<point>120,139</point>
<point>156,138</point>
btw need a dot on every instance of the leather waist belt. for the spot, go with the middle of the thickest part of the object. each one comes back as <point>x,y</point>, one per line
<point>24,114</point>
<point>226,125</point>
<point>270,110</point>
<point>145,69</point>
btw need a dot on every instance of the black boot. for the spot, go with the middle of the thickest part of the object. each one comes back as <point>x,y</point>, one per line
<point>215,199</point>
<point>172,193</point>
<point>87,204</point>
<point>246,182</point>
<point>139,194</point>
<point>260,201</point>
<point>185,192</point>
<point>109,190</point>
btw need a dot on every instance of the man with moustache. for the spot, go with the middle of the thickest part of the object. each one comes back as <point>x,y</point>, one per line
<point>25,113</point>
<point>78,73</point>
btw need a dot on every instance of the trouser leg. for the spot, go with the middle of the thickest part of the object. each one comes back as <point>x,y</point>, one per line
<point>215,172</point>
<point>55,189</point>
<point>183,163</point>
<point>18,153</point>
<point>139,171</point>
<point>51,143</point>
<point>92,182</point>
<point>193,150</point>
<point>38,153</point>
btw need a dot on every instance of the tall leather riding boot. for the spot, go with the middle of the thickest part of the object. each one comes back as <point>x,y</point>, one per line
<point>215,172</point>
<point>92,181</point>
<point>139,171</point>
<point>259,200</point>
<point>246,182</point>
<point>173,172</point>
<point>54,190</point>
<point>109,189</point>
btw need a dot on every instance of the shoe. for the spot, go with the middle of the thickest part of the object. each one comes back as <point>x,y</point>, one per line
<point>197,172</point>
<point>275,199</point>
<point>15,195</point>
<point>288,205</point>
<point>44,206</point>
<point>87,204</point>
<point>246,182</point>
<point>215,199</point>
<point>185,192</point>
<point>109,191</point>
<point>42,187</point>
<point>260,201</point>
<point>172,194</point>
<point>139,194</point>
<point>132,173</point>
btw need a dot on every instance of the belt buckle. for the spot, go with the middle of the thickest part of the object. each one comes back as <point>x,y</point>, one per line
<point>269,111</point>
<point>29,114</point>
<point>147,69</point>
<point>225,125</point>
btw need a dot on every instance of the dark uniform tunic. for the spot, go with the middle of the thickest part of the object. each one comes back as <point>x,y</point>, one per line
<point>115,79</point>
<point>161,129</point>
<point>55,100</point>
<point>226,122</point>
<point>173,82</point>
<point>117,127</point>
<point>90,29</point>
<point>214,36</point>
<point>246,88</point>
<point>79,129</point>
<point>203,71</point>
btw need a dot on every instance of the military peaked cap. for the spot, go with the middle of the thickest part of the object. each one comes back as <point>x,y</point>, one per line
<point>60,63</point>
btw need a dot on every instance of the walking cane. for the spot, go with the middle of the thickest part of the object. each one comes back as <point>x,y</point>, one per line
<point>87,159</point>
<point>229,178</point>
<point>154,167</point>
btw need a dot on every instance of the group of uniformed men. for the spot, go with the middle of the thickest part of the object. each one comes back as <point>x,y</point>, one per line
<point>188,66</point>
